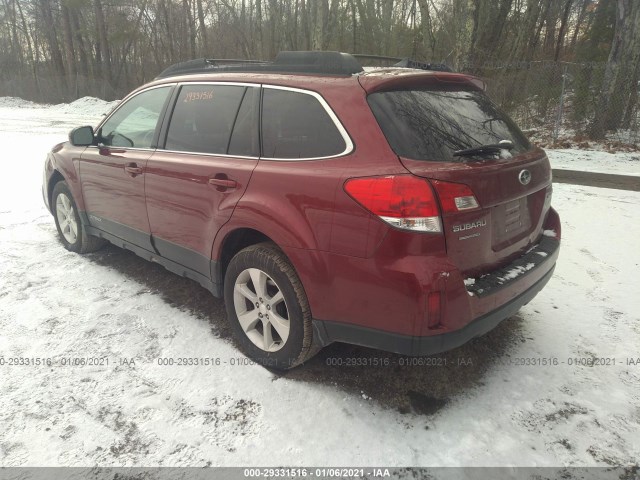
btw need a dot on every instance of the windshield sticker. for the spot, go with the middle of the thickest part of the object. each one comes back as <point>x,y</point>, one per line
<point>198,96</point>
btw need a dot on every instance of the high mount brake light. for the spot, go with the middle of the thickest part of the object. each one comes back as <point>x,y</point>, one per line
<point>403,201</point>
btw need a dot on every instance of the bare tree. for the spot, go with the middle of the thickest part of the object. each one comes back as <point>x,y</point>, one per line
<point>103,54</point>
<point>621,69</point>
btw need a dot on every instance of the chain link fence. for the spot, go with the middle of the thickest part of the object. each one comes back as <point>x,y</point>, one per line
<point>556,102</point>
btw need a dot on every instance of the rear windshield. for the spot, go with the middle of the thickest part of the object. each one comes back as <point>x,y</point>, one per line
<point>432,124</point>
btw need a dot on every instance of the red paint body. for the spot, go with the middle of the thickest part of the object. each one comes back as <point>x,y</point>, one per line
<point>356,269</point>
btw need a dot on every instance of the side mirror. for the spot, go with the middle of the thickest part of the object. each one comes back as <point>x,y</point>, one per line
<point>81,136</point>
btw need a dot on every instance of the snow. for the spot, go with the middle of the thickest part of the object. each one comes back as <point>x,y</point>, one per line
<point>524,410</point>
<point>620,163</point>
<point>87,106</point>
<point>17,115</point>
<point>516,272</point>
<point>16,102</point>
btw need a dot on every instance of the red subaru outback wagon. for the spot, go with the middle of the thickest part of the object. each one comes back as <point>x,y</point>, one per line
<point>394,208</point>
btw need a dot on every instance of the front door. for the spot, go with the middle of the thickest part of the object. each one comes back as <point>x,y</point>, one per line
<point>112,172</point>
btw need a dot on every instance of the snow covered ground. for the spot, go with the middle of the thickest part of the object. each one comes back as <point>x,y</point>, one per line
<point>620,163</point>
<point>530,396</point>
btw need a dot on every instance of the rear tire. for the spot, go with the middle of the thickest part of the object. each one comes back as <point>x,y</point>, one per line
<point>267,308</point>
<point>72,231</point>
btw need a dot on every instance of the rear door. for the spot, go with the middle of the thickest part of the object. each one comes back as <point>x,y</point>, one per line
<point>209,151</point>
<point>112,173</point>
<point>512,188</point>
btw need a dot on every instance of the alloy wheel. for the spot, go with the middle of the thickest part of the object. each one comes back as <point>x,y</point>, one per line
<point>261,309</point>
<point>66,218</point>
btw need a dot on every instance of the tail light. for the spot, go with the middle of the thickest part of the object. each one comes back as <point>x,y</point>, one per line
<point>403,201</point>
<point>455,197</point>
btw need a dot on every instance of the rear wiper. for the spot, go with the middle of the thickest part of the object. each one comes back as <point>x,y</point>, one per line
<point>485,149</point>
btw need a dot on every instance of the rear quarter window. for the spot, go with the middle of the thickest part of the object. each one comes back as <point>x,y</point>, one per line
<point>432,124</point>
<point>296,125</point>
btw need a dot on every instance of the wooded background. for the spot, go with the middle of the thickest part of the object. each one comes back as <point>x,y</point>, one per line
<point>560,67</point>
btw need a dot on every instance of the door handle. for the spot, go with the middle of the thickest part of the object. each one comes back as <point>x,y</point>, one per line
<point>223,183</point>
<point>133,169</point>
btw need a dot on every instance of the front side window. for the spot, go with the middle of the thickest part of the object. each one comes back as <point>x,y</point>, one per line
<point>203,118</point>
<point>133,125</point>
<point>296,125</point>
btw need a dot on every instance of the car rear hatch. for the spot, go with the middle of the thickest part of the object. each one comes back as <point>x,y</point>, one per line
<point>493,203</point>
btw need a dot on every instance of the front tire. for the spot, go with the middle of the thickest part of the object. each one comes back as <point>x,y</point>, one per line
<point>72,231</point>
<point>268,308</point>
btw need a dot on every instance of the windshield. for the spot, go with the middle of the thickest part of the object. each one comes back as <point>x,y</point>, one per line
<point>433,124</point>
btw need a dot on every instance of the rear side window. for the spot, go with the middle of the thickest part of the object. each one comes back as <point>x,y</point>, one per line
<point>296,125</point>
<point>432,124</point>
<point>203,118</point>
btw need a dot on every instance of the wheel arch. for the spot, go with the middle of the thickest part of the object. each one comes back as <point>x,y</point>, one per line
<point>237,241</point>
<point>232,242</point>
<point>55,177</point>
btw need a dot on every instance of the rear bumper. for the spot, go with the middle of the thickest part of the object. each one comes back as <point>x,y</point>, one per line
<point>329,332</point>
<point>471,311</point>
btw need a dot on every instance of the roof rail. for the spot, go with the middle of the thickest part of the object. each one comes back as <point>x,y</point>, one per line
<point>208,65</point>
<point>313,62</point>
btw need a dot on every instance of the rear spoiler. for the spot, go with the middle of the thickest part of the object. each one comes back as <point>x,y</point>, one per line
<point>373,82</point>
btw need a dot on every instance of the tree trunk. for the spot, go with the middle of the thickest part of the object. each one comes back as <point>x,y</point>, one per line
<point>83,59</point>
<point>103,41</point>
<point>622,64</point>
<point>474,36</point>
<point>190,29</point>
<point>331,21</point>
<point>69,55</point>
<point>550,23</point>
<point>579,23</point>
<point>522,50</point>
<point>631,111</point>
<point>32,56</point>
<point>387,23</point>
<point>319,14</point>
<point>203,28</point>
<point>127,49</point>
<point>563,28</point>
<point>354,28</point>
<point>50,34</point>
<point>16,44</point>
